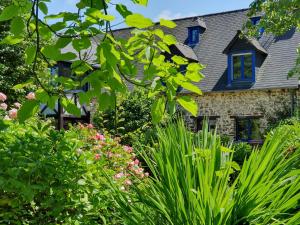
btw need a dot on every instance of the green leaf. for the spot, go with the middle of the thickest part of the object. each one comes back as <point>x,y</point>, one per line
<point>52,52</point>
<point>191,87</point>
<point>97,14</point>
<point>80,67</point>
<point>169,39</point>
<point>58,26</point>
<point>21,86</point>
<point>30,53</point>
<point>17,26</point>
<point>62,42</point>
<point>70,107</point>
<point>80,44</point>
<point>27,110</point>
<point>141,2</point>
<point>179,60</point>
<point>138,21</point>
<point>189,104</point>
<point>42,95</point>
<point>167,23</point>
<point>106,101</point>
<point>11,40</point>
<point>43,7</point>
<point>9,12</point>
<point>122,9</point>
<point>157,109</point>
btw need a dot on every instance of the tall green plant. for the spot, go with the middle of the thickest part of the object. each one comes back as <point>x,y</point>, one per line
<point>191,183</point>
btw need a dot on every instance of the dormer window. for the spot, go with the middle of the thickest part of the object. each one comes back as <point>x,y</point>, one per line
<point>241,67</point>
<point>193,35</point>
<point>255,21</point>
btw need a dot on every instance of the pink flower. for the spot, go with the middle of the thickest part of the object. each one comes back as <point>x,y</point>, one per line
<point>3,106</point>
<point>136,162</point>
<point>3,97</point>
<point>110,155</point>
<point>90,126</point>
<point>97,156</point>
<point>119,175</point>
<point>127,148</point>
<point>17,105</point>
<point>99,137</point>
<point>30,96</point>
<point>128,182</point>
<point>13,113</point>
<point>146,174</point>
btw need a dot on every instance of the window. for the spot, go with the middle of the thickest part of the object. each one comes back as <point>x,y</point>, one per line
<point>248,129</point>
<point>212,122</point>
<point>255,22</point>
<point>241,67</point>
<point>193,35</point>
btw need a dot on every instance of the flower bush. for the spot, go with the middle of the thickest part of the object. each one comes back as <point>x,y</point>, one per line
<point>60,177</point>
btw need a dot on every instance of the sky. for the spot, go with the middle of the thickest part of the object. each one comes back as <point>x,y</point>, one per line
<point>167,9</point>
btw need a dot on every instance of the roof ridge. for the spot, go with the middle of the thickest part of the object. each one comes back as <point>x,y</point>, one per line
<point>198,17</point>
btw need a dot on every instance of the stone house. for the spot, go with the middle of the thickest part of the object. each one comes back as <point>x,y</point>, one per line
<point>246,80</point>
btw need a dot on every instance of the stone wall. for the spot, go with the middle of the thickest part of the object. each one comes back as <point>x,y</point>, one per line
<point>264,104</point>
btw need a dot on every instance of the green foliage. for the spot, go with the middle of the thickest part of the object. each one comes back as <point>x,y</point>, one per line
<point>278,17</point>
<point>118,59</point>
<point>132,121</point>
<point>242,151</point>
<point>191,182</point>
<point>52,177</point>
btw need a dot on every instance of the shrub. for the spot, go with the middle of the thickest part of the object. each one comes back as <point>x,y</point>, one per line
<point>191,183</point>
<point>59,177</point>
<point>131,121</point>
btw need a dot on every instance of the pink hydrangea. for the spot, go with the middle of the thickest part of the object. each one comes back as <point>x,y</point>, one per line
<point>97,156</point>
<point>17,105</point>
<point>90,126</point>
<point>128,182</point>
<point>13,113</point>
<point>3,106</point>
<point>119,175</point>
<point>3,97</point>
<point>127,149</point>
<point>136,162</point>
<point>99,137</point>
<point>30,96</point>
<point>110,155</point>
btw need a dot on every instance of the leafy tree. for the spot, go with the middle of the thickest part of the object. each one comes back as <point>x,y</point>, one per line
<point>12,65</point>
<point>116,61</point>
<point>278,17</point>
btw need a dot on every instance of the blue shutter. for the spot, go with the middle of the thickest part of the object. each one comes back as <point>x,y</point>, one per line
<point>229,70</point>
<point>253,66</point>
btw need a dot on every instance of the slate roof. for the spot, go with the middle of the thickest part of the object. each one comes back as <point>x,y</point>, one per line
<point>252,41</point>
<point>221,29</point>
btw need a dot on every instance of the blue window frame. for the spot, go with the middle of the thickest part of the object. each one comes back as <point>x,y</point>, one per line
<point>241,67</point>
<point>255,22</point>
<point>248,129</point>
<point>193,35</point>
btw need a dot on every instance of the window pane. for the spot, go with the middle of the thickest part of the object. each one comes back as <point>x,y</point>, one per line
<point>194,35</point>
<point>242,129</point>
<point>236,67</point>
<point>248,66</point>
<point>255,130</point>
